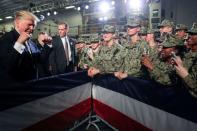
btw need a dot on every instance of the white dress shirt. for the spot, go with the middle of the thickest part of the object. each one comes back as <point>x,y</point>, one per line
<point>69,49</point>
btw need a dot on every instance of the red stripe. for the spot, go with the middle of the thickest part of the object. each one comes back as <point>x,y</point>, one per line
<point>117,119</point>
<point>61,120</point>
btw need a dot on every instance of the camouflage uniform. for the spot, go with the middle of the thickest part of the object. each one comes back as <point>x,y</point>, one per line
<point>79,52</point>
<point>181,27</point>
<point>164,72</point>
<point>143,31</point>
<point>84,58</point>
<point>190,62</point>
<point>132,62</point>
<point>165,23</point>
<point>109,59</point>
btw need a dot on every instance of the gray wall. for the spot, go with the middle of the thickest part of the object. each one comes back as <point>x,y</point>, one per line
<point>184,11</point>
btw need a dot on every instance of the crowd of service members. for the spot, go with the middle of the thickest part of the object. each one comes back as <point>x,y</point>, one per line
<point>169,59</point>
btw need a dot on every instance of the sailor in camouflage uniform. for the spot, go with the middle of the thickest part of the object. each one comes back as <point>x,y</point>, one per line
<point>161,66</point>
<point>143,33</point>
<point>135,48</point>
<point>89,52</point>
<point>84,58</point>
<point>150,38</point>
<point>166,30</point>
<point>166,27</point>
<point>187,69</point>
<point>79,47</point>
<point>181,31</point>
<point>109,57</point>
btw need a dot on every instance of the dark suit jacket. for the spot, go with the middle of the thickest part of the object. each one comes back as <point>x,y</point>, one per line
<point>43,65</point>
<point>58,57</point>
<point>19,67</point>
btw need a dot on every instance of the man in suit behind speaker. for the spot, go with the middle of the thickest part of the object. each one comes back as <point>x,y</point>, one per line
<point>62,58</point>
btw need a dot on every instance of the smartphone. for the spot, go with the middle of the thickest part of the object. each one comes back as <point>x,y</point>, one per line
<point>173,54</point>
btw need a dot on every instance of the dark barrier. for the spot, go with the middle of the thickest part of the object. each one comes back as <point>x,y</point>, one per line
<point>52,103</point>
<point>129,104</point>
<point>172,101</point>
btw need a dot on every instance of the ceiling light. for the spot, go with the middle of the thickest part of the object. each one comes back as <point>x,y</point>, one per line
<point>69,7</point>
<point>55,12</point>
<point>48,14</point>
<point>86,7</point>
<point>101,19</point>
<point>105,18</point>
<point>8,17</point>
<point>42,17</point>
<point>113,2</point>
<point>104,7</point>
<point>78,8</point>
<point>135,4</point>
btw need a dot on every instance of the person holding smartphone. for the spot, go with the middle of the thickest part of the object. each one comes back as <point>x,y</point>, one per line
<point>187,68</point>
<point>161,66</point>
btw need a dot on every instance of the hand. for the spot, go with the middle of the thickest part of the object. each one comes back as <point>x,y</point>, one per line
<point>23,37</point>
<point>178,61</point>
<point>92,71</point>
<point>147,62</point>
<point>85,66</point>
<point>181,71</point>
<point>120,75</point>
<point>90,54</point>
<point>47,39</point>
<point>96,50</point>
<point>172,62</point>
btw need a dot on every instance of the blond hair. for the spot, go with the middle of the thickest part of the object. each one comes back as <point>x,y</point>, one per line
<point>23,14</point>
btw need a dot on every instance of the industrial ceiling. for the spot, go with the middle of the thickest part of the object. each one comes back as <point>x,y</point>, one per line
<point>9,7</point>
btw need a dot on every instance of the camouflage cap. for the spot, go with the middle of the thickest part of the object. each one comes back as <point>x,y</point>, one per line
<point>181,27</point>
<point>172,41</point>
<point>166,23</point>
<point>80,40</point>
<point>108,29</point>
<point>193,30</point>
<point>143,31</point>
<point>133,23</point>
<point>94,39</point>
<point>159,40</point>
<point>87,41</point>
<point>150,31</point>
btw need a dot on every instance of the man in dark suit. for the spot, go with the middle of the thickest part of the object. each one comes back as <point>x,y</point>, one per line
<point>19,56</point>
<point>63,57</point>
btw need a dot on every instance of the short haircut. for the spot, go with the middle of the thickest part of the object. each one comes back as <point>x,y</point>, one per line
<point>63,23</point>
<point>23,14</point>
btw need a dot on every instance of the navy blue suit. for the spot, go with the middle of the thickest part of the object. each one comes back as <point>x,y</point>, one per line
<point>19,67</point>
